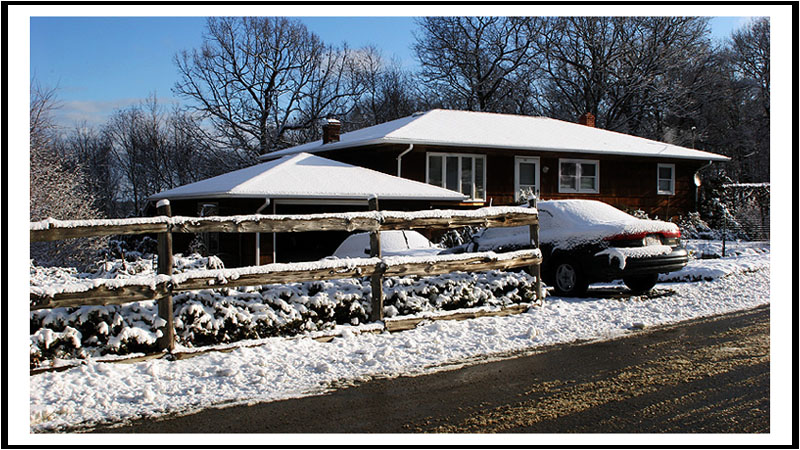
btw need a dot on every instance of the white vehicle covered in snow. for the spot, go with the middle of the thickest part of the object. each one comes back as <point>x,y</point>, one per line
<point>585,241</point>
<point>393,243</point>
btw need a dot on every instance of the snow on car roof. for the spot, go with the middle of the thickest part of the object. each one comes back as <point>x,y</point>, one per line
<point>568,223</point>
<point>309,176</point>
<point>481,129</point>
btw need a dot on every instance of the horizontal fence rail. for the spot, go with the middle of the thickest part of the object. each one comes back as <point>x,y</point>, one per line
<point>163,285</point>
<point>113,292</point>
<point>53,230</point>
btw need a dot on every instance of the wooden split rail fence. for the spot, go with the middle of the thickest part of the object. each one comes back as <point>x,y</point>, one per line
<point>376,267</point>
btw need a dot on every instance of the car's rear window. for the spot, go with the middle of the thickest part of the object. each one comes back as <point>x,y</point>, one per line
<point>585,211</point>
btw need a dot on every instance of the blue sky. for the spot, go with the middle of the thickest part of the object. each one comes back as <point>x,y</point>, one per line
<point>100,64</point>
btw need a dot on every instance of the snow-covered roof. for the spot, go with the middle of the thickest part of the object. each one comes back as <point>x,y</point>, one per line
<point>305,176</point>
<point>480,129</point>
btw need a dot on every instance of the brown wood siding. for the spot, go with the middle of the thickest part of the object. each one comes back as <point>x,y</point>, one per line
<point>626,182</point>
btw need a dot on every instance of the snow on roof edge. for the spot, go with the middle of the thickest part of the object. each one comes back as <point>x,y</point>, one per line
<point>702,156</point>
<point>303,196</point>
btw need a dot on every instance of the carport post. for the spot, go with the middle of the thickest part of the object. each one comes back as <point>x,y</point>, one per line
<point>376,279</point>
<point>536,269</point>
<point>165,263</point>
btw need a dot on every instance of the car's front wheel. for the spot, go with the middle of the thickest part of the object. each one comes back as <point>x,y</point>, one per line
<point>641,283</point>
<point>568,279</point>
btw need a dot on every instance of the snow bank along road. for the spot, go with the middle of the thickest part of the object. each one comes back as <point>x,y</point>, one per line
<point>707,375</point>
<point>101,393</point>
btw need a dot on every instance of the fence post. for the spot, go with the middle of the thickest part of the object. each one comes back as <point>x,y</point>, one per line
<point>376,279</point>
<point>724,231</point>
<point>165,263</point>
<point>536,268</point>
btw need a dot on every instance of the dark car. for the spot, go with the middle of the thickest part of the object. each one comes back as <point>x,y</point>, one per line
<point>586,241</point>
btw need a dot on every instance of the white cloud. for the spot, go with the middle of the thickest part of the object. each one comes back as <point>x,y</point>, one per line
<point>96,112</point>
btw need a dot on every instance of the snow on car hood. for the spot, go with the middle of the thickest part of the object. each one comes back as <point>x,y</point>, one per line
<point>566,224</point>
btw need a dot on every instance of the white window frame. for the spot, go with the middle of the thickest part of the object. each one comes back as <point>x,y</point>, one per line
<point>671,190</point>
<point>474,156</point>
<point>526,159</point>
<point>578,163</point>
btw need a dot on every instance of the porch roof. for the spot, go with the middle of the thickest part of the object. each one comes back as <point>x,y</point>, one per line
<point>306,176</point>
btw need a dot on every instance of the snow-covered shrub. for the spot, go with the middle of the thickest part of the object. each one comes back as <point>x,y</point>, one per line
<point>638,213</point>
<point>694,227</point>
<point>197,245</point>
<point>196,262</point>
<point>458,236</point>
<point>130,248</point>
<point>208,317</point>
<point>741,209</point>
<point>712,249</point>
<point>411,295</point>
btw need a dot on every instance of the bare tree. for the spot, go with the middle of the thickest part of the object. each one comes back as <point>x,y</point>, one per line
<point>390,92</point>
<point>476,62</point>
<point>154,149</point>
<point>750,55</point>
<point>624,70</point>
<point>56,191</point>
<point>748,51</point>
<point>258,79</point>
<point>85,148</point>
<point>43,103</point>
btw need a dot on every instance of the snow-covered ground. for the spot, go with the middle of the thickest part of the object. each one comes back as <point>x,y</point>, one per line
<point>280,368</point>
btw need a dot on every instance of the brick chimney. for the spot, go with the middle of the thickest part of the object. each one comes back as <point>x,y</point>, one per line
<point>586,119</point>
<point>330,131</point>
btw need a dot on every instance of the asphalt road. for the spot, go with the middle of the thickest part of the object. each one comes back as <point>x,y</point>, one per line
<point>709,376</point>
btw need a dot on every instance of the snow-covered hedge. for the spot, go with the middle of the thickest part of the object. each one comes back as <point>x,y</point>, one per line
<point>712,249</point>
<point>208,317</point>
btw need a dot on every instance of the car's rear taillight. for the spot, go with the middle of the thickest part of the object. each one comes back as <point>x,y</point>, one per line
<point>644,239</point>
<point>670,238</point>
<point>625,237</point>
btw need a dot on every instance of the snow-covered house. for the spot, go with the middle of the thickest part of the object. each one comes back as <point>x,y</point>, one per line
<point>492,158</point>
<point>293,184</point>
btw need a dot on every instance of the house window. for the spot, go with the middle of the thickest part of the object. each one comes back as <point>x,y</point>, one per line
<point>526,177</point>
<point>666,179</point>
<point>579,175</point>
<point>460,173</point>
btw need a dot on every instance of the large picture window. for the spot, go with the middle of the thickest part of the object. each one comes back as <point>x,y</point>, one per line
<point>457,172</point>
<point>666,179</point>
<point>579,175</point>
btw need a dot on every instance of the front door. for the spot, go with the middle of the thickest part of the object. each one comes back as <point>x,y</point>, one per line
<point>526,177</point>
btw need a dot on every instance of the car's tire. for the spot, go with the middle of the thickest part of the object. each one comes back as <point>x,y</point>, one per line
<point>641,283</point>
<point>568,278</point>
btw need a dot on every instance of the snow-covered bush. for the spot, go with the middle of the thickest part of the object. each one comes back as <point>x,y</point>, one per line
<point>130,248</point>
<point>712,249</point>
<point>226,315</point>
<point>458,236</point>
<point>410,295</point>
<point>694,227</point>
